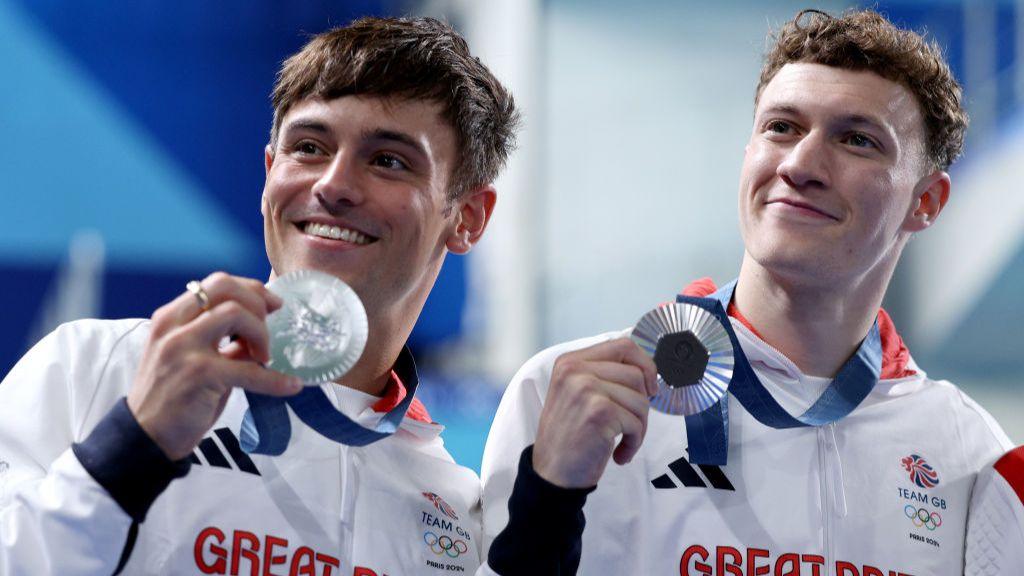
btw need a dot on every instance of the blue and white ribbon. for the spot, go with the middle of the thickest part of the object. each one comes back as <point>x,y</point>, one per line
<point>266,428</point>
<point>708,432</point>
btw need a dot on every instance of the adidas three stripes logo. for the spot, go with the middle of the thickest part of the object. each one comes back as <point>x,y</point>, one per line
<point>222,454</point>
<point>684,472</point>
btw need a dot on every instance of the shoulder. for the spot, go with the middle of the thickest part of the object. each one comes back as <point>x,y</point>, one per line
<point>970,430</point>
<point>99,335</point>
<point>971,416</point>
<point>536,371</point>
<point>83,365</point>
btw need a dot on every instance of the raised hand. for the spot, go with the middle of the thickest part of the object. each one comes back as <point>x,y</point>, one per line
<point>184,378</point>
<point>596,395</point>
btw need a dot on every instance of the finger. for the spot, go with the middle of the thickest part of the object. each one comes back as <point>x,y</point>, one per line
<point>255,378</point>
<point>626,375</point>
<point>220,287</point>
<point>625,351</point>
<point>252,294</point>
<point>232,319</point>
<point>629,400</point>
<point>633,430</point>
<point>236,350</point>
<point>630,410</point>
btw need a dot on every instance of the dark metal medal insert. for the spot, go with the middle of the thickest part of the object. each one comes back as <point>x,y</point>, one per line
<point>681,359</point>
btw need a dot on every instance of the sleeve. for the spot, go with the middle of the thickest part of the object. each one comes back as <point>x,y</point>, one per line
<point>66,507</point>
<point>545,520</point>
<point>509,481</point>
<point>995,521</point>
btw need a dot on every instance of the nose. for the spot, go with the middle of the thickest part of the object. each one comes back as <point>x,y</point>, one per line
<point>806,163</point>
<point>338,187</point>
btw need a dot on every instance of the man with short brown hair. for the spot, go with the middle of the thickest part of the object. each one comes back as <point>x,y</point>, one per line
<point>831,452</point>
<point>123,440</point>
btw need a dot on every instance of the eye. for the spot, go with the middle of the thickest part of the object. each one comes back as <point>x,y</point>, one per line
<point>308,148</point>
<point>859,140</point>
<point>779,127</point>
<point>389,161</point>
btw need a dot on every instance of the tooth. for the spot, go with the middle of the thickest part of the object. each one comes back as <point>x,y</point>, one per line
<point>347,235</point>
<point>361,238</point>
<point>334,232</point>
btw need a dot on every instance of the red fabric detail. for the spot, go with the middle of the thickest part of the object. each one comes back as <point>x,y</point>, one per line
<point>1011,468</point>
<point>700,288</point>
<point>895,355</point>
<point>394,393</point>
<point>734,311</point>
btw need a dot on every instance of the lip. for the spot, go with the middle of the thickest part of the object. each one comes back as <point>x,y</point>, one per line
<point>798,207</point>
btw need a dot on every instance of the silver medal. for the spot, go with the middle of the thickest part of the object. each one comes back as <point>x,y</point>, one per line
<point>320,331</point>
<point>693,354</point>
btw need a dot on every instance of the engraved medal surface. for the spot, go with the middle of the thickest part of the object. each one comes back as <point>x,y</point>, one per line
<point>320,331</point>
<point>693,354</point>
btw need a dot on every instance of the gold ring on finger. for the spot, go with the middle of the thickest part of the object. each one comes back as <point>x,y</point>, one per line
<point>201,296</point>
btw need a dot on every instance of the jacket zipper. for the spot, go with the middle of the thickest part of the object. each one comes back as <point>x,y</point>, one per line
<point>826,497</point>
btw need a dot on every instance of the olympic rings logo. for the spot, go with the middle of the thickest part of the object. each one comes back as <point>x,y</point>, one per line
<point>921,517</point>
<point>444,545</point>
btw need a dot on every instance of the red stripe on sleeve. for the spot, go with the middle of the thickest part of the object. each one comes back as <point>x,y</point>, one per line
<point>1011,468</point>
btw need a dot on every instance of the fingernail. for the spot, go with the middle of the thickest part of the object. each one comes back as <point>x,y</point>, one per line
<point>274,300</point>
<point>295,383</point>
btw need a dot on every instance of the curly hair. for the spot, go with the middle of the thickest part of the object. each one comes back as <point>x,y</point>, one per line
<point>409,58</point>
<point>866,40</point>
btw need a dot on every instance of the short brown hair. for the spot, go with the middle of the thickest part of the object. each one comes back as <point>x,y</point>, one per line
<point>409,58</point>
<point>866,40</point>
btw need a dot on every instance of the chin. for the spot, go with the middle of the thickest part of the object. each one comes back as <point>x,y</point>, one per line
<point>802,264</point>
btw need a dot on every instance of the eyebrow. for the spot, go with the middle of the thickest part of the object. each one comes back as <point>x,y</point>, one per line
<point>380,134</point>
<point>306,124</point>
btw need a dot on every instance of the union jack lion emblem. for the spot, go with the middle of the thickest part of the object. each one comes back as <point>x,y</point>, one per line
<point>921,473</point>
<point>441,505</point>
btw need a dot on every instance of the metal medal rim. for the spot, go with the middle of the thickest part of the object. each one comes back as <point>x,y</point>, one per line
<point>713,385</point>
<point>300,283</point>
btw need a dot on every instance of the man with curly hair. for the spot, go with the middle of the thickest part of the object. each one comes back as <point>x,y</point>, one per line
<point>833,452</point>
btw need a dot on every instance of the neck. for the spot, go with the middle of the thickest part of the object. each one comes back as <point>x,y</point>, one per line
<point>818,327</point>
<point>383,345</point>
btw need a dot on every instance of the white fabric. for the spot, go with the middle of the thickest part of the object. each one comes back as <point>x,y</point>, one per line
<point>829,500</point>
<point>320,508</point>
<point>995,527</point>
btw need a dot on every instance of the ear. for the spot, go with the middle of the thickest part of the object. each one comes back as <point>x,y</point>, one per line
<point>472,212</point>
<point>268,159</point>
<point>930,196</point>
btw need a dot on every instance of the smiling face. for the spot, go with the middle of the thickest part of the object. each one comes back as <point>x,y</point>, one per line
<point>835,179</point>
<point>356,187</point>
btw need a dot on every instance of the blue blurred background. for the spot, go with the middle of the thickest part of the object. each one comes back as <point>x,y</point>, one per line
<point>131,162</point>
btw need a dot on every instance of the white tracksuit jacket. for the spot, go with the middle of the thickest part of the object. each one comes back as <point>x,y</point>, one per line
<point>995,526</point>
<point>835,500</point>
<point>397,507</point>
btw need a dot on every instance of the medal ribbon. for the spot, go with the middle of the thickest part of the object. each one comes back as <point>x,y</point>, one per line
<point>708,431</point>
<point>266,428</point>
